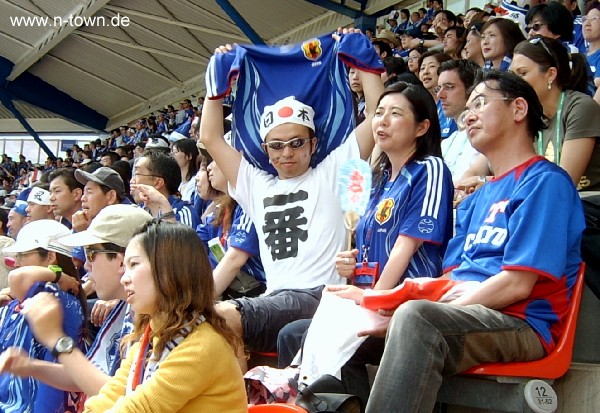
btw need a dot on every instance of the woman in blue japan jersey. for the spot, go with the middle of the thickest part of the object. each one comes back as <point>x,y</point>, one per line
<point>408,222</point>
<point>235,233</point>
<point>409,218</point>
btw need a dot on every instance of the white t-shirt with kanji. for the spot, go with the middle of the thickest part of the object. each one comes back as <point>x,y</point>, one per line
<point>299,221</point>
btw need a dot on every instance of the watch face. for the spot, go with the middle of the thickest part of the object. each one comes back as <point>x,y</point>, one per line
<point>64,345</point>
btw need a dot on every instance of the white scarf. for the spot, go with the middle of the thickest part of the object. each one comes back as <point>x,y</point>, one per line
<point>151,363</point>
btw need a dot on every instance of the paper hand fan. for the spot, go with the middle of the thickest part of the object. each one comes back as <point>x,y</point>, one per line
<point>354,186</point>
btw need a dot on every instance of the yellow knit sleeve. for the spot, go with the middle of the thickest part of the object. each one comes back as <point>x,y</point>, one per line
<point>200,374</point>
<point>114,388</point>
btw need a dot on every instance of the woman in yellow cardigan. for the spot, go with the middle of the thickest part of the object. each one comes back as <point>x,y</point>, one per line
<point>183,357</point>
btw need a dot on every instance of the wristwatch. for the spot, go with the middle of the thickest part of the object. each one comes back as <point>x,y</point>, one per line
<point>421,42</point>
<point>64,345</point>
<point>57,270</point>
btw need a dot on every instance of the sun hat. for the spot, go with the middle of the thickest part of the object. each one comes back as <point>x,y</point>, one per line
<point>386,35</point>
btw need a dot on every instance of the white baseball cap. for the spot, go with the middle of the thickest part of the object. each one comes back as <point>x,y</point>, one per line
<point>288,110</point>
<point>43,233</point>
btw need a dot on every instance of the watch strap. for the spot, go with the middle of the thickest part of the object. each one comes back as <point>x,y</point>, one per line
<point>57,270</point>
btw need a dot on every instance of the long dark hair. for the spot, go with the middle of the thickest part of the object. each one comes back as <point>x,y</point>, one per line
<point>548,52</point>
<point>189,148</point>
<point>184,285</point>
<point>510,31</point>
<point>423,108</point>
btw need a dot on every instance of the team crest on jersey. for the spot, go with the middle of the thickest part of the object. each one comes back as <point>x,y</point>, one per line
<point>312,49</point>
<point>384,211</point>
<point>426,226</point>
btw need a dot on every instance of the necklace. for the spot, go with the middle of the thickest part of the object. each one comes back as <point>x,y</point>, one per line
<point>557,138</point>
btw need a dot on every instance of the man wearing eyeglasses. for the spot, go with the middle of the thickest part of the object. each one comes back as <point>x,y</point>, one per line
<point>514,257</point>
<point>105,241</point>
<point>591,33</point>
<point>455,79</point>
<point>297,213</point>
<point>155,182</point>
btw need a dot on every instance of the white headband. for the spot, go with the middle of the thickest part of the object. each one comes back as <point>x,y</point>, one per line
<point>288,110</point>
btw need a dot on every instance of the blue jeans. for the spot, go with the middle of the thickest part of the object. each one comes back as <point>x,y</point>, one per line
<point>290,340</point>
<point>428,340</point>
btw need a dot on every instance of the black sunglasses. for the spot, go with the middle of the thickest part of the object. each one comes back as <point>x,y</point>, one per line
<point>90,254</point>
<point>535,27</point>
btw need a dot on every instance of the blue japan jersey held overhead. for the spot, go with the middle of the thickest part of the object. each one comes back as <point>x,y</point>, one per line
<point>314,72</point>
<point>529,219</point>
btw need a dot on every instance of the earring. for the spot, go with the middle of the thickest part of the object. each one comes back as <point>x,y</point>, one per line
<point>549,85</point>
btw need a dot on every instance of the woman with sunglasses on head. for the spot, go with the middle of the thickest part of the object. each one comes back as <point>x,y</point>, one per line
<point>40,261</point>
<point>499,37</point>
<point>573,117</point>
<point>180,355</point>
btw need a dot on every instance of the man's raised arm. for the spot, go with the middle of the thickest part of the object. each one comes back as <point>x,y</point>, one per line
<point>211,135</point>
<point>373,88</point>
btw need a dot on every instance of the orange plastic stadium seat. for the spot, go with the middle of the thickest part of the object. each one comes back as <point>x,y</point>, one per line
<point>275,407</point>
<point>555,364</point>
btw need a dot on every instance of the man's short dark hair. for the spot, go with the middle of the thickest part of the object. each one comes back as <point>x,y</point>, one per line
<point>467,71</point>
<point>512,86</point>
<point>68,176</point>
<point>383,47</point>
<point>164,166</point>
<point>114,157</point>
<point>394,65</point>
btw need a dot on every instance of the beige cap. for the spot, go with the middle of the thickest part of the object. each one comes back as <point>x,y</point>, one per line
<point>115,224</point>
